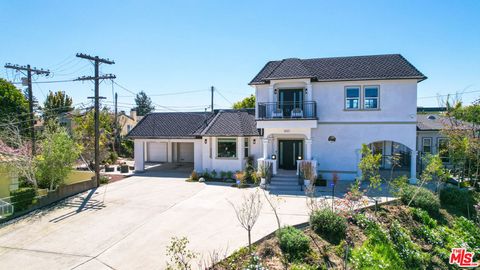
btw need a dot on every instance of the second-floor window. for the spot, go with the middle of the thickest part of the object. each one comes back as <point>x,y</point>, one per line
<point>352,98</point>
<point>370,97</point>
<point>362,98</point>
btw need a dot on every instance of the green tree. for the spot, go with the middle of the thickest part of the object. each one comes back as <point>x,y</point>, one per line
<point>246,103</point>
<point>144,104</point>
<point>59,152</point>
<point>13,105</point>
<point>84,132</point>
<point>370,166</point>
<point>55,104</point>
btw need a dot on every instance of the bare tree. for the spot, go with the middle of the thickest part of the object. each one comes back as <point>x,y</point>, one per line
<point>274,202</point>
<point>248,212</point>
<point>13,143</point>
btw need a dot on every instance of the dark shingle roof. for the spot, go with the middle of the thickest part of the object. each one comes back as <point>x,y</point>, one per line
<point>233,123</point>
<point>371,67</point>
<point>171,125</point>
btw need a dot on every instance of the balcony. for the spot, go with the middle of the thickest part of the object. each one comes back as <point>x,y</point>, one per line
<point>287,110</point>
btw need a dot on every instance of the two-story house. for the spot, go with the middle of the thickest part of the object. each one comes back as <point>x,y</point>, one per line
<point>320,109</point>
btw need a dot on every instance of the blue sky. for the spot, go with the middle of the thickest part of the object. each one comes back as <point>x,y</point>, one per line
<point>165,47</point>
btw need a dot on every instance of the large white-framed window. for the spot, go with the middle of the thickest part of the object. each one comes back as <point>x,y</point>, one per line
<point>246,148</point>
<point>352,97</point>
<point>371,94</point>
<point>226,147</point>
<point>427,145</point>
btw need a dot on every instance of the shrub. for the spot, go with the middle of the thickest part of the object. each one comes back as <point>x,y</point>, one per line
<point>328,224</point>
<point>423,217</point>
<point>293,242</point>
<point>459,199</point>
<point>468,231</point>
<point>22,198</point>
<point>214,174</point>
<point>194,176</point>
<point>223,175</point>
<point>229,174</point>
<point>303,266</point>
<point>422,198</point>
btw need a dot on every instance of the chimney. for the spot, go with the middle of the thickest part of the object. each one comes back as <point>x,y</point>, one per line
<point>133,114</point>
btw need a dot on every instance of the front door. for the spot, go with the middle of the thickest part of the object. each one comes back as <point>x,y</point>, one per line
<point>289,152</point>
<point>290,99</point>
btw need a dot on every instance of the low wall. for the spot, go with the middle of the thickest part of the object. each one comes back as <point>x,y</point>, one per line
<point>54,196</point>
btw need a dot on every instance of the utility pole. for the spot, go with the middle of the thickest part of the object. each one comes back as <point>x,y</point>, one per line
<point>96,78</point>
<point>29,71</point>
<point>116,141</point>
<point>212,89</point>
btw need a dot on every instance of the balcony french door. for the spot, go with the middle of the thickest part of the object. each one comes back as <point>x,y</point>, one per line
<point>290,99</point>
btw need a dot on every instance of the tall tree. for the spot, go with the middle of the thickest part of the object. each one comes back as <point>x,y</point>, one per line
<point>144,104</point>
<point>246,103</point>
<point>55,104</point>
<point>13,105</point>
<point>84,131</point>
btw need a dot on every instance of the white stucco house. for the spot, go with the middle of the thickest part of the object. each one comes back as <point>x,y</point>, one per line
<point>320,109</point>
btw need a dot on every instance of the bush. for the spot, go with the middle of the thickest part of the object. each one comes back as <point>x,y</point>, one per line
<point>458,199</point>
<point>424,198</point>
<point>303,266</point>
<point>293,242</point>
<point>423,217</point>
<point>22,198</point>
<point>194,176</point>
<point>328,224</point>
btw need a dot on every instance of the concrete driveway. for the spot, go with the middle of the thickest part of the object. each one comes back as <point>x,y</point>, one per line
<point>128,224</point>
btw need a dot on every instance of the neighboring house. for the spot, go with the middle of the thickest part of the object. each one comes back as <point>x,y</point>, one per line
<point>127,122</point>
<point>321,110</point>
<point>220,140</point>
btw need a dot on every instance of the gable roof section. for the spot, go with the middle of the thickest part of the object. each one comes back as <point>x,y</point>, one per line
<point>233,123</point>
<point>370,67</point>
<point>171,125</point>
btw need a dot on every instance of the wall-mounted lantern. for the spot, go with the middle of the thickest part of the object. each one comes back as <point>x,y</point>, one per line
<point>332,139</point>
<point>275,91</point>
<point>299,157</point>
<point>274,157</point>
<point>254,141</point>
<point>205,141</point>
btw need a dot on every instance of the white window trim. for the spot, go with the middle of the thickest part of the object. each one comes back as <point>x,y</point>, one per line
<point>431,144</point>
<point>246,146</point>
<point>359,87</point>
<point>236,148</point>
<point>364,98</point>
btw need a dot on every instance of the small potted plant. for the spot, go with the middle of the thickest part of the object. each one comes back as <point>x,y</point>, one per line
<point>264,171</point>
<point>307,172</point>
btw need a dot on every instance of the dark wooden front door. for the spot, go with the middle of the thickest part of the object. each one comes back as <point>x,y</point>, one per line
<point>288,153</point>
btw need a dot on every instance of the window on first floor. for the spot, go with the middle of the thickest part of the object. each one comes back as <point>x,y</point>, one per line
<point>247,147</point>
<point>352,98</point>
<point>427,145</point>
<point>370,97</point>
<point>227,147</point>
<point>442,146</point>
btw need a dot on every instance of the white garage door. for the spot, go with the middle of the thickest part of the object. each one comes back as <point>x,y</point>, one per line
<point>157,152</point>
<point>185,152</point>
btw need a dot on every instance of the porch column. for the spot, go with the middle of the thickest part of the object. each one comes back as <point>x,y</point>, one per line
<point>413,167</point>
<point>139,157</point>
<point>169,152</point>
<point>197,156</point>
<point>309,96</point>
<point>271,97</point>
<point>241,152</point>
<point>308,150</point>
<point>265,148</point>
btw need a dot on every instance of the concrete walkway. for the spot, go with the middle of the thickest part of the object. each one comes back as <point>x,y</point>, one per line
<point>128,224</point>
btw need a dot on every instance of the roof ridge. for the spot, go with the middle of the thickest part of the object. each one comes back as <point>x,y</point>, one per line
<point>205,130</point>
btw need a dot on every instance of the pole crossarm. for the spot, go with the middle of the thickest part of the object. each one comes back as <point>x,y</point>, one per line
<point>96,58</point>
<point>28,68</point>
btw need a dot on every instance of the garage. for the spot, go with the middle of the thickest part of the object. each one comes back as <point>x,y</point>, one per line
<point>185,152</point>
<point>157,152</point>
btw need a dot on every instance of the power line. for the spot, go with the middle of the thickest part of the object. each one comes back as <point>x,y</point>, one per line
<point>445,95</point>
<point>218,91</point>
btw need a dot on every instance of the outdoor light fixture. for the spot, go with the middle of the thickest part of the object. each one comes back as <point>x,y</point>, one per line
<point>205,141</point>
<point>299,157</point>
<point>331,139</point>
<point>274,157</point>
<point>275,91</point>
<point>254,141</point>
<point>306,91</point>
